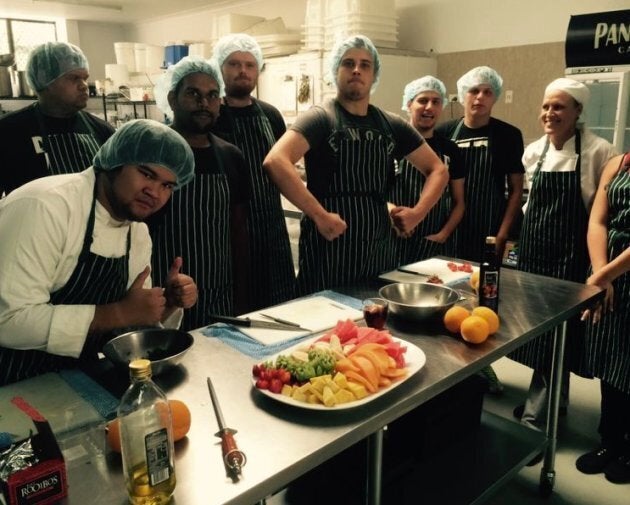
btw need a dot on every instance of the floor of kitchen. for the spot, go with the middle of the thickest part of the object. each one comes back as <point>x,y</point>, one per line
<point>577,434</point>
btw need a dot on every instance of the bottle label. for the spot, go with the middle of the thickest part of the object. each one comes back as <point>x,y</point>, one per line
<point>489,286</point>
<point>158,457</point>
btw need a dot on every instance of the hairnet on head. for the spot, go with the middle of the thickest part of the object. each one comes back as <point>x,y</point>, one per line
<point>48,62</point>
<point>426,83</point>
<point>143,141</point>
<point>576,89</point>
<point>477,76</point>
<point>170,79</point>
<point>354,42</point>
<point>237,42</point>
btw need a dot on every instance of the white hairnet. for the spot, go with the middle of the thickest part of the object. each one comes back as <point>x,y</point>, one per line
<point>354,42</point>
<point>169,80</point>
<point>49,61</point>
<point>426,83</point>
<point>576,89</point>
<point>477,76</point>
<point>147,141</point>
<point>237,42</point>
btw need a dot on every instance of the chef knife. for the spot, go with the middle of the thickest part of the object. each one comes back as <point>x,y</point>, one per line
<point>233,459</point>
<point>256,323</point>
<point>407,271</point>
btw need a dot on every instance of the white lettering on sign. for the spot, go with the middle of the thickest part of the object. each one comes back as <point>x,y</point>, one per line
<point>611,34</point>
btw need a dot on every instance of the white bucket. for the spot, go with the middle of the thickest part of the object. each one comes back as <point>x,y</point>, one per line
<point>126,55</point>
<point>154,57</point>
<point>140,51</point>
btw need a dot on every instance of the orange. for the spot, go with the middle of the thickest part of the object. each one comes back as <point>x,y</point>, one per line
<point>474,280</point>
<point>474,329</point>
<point>453,318</point>
<point>181,424</point>
<point>490,316</point>
<point>181,419</point>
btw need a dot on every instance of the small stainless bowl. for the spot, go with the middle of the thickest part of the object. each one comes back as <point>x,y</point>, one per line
<point>163,347</point>
<point>418,300</point>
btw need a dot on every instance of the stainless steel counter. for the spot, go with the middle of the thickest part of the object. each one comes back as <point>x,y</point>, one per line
<point>283,442</point>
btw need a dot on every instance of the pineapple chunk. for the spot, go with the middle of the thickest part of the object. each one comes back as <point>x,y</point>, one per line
<point>299,395</point>
<point>358,390</point>
<point>312,398</point>
<point>344,396</point>
<point>328,397</point>
<point>340,380</point>
<point>287,390</point>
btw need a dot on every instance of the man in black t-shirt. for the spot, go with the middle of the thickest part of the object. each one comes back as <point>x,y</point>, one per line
<point>206,222</point>
<point>53,135</point>
<point>492,150</point>
<point>254,126</point>
<point>349,147</point>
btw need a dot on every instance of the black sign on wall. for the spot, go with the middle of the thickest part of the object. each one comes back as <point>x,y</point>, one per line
<point>598,39</point>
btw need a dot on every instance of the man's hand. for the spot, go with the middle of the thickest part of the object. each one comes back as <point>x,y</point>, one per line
<point>331,226</point>
<point>143,306</point>
<point>405,220</point>
<point>595,312</point>
<point>180,289</point>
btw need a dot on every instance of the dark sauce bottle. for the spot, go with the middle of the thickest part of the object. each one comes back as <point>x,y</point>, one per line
<point>489,274</point>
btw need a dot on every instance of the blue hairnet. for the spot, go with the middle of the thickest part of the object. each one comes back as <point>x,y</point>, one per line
<point>426,83</point>
<point>237,42</point>
<point>170,79</point>
<point>144,141</point>
<point>358,42</point>
<point>477,76</point>
<point>48,62</point>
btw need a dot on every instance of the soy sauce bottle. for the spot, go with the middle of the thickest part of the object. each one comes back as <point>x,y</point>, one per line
<point>489,274</point>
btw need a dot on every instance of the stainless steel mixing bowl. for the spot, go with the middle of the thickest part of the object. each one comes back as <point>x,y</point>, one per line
<point>418,300</point>
<point>163,347</point>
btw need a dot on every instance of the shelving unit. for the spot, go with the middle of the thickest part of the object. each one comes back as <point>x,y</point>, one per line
<point>123,102</point>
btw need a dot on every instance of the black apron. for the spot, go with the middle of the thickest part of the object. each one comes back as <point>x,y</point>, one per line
<point>272,271</point>
<point>67,152</point>
<point>485,201</point>
<point>357,191</point>
<point>607,342</point>
<point>408,184</point>
<point>553,243</point>
<point>96,280</point>
<point>196,227</point>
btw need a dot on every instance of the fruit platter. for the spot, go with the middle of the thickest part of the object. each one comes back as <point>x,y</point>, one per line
<point>346,367</point>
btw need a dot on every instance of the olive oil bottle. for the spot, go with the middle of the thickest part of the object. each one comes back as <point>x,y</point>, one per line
<point>146,436</point>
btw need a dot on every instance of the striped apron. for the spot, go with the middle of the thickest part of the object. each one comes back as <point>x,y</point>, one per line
<point>67,152</point>
<point>272,271</point>
<point>607,342</point>
<point>357,191</point>
<point>408,185</point>
<point>485,201</point>
<point>553,243</point>
<point>96,280</point>
<point>196,227</point>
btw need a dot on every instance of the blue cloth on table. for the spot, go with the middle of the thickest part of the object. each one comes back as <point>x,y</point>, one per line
<point>102,400</point>
<point>247,345</point>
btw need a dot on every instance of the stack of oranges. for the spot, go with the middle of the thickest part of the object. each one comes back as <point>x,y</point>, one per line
<point>474,327</point>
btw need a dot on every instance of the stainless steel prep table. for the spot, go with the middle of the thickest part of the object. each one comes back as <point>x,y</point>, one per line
<point>282,442</point>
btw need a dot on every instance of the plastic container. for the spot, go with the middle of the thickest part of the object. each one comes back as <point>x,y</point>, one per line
<point>140,52</point>
<point>174,53</point>
<point>126,54</point>
<point>146,436</point>
<point>118,74</point>
<point>154,57</point>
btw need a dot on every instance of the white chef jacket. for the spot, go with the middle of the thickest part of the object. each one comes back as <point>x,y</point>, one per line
<point>42,227</point>
<point>595,154</point>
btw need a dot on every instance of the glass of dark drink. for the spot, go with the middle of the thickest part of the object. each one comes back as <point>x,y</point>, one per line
<point>375,312</point>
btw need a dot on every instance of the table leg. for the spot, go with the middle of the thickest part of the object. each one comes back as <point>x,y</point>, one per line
<point>548,473</point>
<point>374,468</point>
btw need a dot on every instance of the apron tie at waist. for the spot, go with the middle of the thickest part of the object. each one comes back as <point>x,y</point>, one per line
<point>357,194</point>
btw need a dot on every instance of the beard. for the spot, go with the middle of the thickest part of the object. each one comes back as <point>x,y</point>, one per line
<point>240,89</point>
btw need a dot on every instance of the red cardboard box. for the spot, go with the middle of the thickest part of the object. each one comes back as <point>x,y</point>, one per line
<point>45,482</point>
